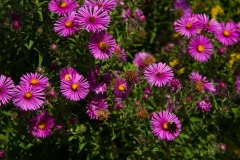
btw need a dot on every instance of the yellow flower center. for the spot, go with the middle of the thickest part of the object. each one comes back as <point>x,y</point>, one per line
<point>75,87</point>
<point>121,87</point>
<point>200,48</point>
<point>188,25</point>
<point>165,126</point>
<point>41,125</point>
<point>28,95</point>
<point>68,24</point>
<point>62,5</point>
<point>226,33</point>
<point>103,45</point>
<point>67,77</point>
<point>91,19</point>
<point>34,81</point>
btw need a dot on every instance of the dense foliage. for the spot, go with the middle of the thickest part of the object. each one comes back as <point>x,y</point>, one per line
<point>142,83</point>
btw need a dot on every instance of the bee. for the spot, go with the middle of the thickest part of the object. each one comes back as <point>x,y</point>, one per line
<point>172,127</point>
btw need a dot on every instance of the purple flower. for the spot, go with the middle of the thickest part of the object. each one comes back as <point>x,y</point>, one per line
<point>93,19</point>
<point>120,88</point>
<point>136,14</point>
<point>186,26</point>
<point>41,125</point>
<point>34,79</point>
<point>101,45</point>
<point>203,106</point>
<point>228,34</point>
<point>174,84</point>
<point>165,125</point>
<point>2,154</point>
<point>28,97</point>
<point>200,48</point>
<point>97,82</point>
<point>104,4</point>
<point>211,26</point>
<point>62,6</point>
<point>95,105</point>
<point>66,25</point>
<point>183,7</point>
<point>67,72</point>
<point>201,83</point>
<point>143,59</point>
<point>6,89</point>
<point>76,88</point>
<point>158,74</point>
<point>237,83</point>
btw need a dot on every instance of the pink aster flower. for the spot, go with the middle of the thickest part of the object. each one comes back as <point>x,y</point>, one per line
<point>237,83</point>
<point>6,89</point>
<point>203,106</point>
<point>120,88</point>
<point>101,45</point>
<point>28,97</point>
<point>211,26</point>
<point>104,4</point>
<point>200,48</point>
<point>201,83</point>
<point>186,26</point>
<point>76,88</point>
<point>34,79</point>
<point>62,6</point>
<point>158,74</point>
<point>93,19</point>
<point>66,25</point>
<point>67,72</point>
<point>41,125</point>
<point>165,125</point>
<point>95,105</point>
<point>228,34</point>
<point>119,54</point>
<point>143,59</point>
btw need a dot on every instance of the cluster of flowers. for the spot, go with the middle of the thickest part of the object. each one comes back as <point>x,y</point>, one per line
<point>93,17</point>
<point>198,28</point>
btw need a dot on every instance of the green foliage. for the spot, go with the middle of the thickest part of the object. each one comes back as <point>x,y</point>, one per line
<point>123,135</point>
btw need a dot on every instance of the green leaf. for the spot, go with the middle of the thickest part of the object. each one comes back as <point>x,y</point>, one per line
<point>195,119</point>
<point>40,59</point>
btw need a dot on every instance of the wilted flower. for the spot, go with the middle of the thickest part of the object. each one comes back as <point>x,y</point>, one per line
<point>203,106</point>
<point>95,105</point>
<point>143,59</point>
<point>201,83</point>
